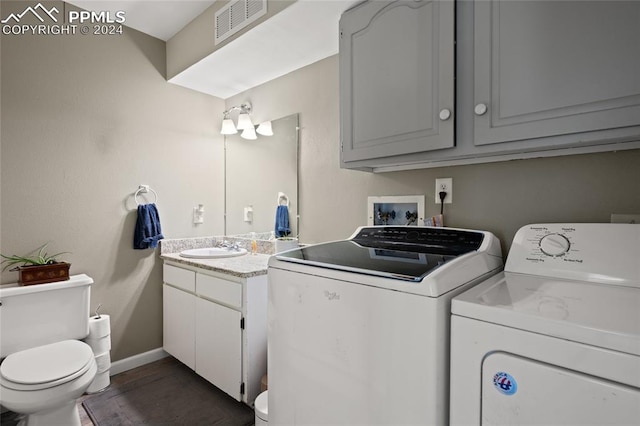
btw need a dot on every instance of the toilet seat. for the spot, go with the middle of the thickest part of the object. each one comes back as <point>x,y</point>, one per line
<point>46,366</point>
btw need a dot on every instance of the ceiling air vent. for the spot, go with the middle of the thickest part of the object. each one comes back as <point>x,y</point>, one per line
<point>236,15</point>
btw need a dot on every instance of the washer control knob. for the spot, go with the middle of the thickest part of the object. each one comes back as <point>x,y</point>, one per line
<point>554,245</point>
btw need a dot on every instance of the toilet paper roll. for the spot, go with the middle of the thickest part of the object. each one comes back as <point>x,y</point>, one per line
<point>103,361</point>
<point>100,345</point>
<point>99,326</point>
<point>101,381</point>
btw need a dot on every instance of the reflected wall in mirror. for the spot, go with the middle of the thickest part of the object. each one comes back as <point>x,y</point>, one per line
<point>256,172</point>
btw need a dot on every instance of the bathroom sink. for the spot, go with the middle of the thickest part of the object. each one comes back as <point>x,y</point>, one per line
<point>212,253</point>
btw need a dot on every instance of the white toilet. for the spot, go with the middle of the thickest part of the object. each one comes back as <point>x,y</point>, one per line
<point>261,405</point>
<point>45,368</point>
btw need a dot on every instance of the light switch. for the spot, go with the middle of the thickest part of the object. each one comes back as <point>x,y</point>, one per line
<point>198,214</point>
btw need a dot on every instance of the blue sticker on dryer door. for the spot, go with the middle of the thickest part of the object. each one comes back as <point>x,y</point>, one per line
<point>505,383</point>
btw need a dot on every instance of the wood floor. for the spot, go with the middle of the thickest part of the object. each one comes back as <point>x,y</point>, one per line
<point>118,380</point>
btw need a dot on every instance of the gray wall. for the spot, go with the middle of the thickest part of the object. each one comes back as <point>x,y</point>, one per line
<point>499,197</point>
<point>85,120</point>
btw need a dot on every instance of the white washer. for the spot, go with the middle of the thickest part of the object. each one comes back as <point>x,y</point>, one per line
<point>359,329</point>
<point>555,338</point>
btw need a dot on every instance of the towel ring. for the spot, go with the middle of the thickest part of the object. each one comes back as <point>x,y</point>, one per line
<point>283,200</point>
<point>144,189</point>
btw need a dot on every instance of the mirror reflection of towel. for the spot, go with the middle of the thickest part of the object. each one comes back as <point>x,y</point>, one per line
<point>148,231</point>
<point>282,221</point>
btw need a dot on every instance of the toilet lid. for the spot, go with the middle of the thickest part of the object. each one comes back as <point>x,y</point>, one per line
<point>46,366</point>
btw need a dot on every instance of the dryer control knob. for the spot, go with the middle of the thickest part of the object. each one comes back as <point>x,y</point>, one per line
<point>554,244</point>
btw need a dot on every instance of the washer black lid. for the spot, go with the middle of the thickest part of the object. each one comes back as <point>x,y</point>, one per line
<point>406,253</point>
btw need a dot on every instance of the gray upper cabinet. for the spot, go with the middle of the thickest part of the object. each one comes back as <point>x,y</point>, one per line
<point>396,78</point>
<point>532,78</point>
<point>548,68</point>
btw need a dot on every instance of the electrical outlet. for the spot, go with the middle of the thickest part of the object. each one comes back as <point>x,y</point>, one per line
<point>446,185</point>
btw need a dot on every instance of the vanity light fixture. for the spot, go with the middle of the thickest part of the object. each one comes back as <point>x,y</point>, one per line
<point>244,123</point>
<point>249,133</point>
<point>228,128</point>
<point>265,129</point>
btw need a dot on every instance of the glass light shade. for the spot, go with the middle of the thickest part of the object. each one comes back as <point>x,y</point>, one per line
<point>228,128</point>
<point>265,129</point>
<point>244,122</point>
<point>249,133</point>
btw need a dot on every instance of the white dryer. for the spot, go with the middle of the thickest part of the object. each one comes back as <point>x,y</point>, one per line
<point>359,329</point>
<point>555,338</point>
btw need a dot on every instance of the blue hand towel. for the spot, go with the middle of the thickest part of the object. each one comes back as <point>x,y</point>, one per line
<point>148,231</point>
<point>282,221</point>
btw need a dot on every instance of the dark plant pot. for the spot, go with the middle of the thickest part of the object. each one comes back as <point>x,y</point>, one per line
<point>40,274</point>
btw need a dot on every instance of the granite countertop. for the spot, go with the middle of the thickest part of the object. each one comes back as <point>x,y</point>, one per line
<point>245,266</point>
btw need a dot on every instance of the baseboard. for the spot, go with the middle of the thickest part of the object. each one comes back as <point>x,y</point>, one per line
<point>138,360</point>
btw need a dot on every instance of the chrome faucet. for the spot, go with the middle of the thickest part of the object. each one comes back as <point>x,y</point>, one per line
<point>230,246</point>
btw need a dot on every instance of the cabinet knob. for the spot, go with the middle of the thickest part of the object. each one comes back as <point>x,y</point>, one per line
<point>445,114</point>
<point>480,109</point>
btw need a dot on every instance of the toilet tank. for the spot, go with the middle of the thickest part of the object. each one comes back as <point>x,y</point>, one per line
<point>40,314</point>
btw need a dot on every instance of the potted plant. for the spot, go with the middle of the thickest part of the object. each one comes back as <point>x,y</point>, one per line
<point>286,242</point>
<point>37,267</point>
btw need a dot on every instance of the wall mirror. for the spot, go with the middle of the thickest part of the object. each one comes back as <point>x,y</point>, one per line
<point>256,172</point>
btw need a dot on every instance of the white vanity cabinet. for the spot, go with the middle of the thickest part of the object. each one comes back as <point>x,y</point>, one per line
<point>216,324</point>
<point>178,313</point>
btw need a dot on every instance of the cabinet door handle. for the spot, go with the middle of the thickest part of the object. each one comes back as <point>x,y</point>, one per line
<point>480,109</point>
<point>445,114</point>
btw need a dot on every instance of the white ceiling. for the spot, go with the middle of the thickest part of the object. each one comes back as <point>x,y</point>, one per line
<point>301,34</point>
<point>159,18</point>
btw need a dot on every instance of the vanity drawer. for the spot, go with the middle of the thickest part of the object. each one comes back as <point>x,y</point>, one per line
<point>178,277</point>
<point>227,292</point>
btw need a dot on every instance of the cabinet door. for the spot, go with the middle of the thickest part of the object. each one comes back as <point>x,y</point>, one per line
<point>219,346</point>
<point>178,324</point>
<point>549,68</point>
<point>396,76</point>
